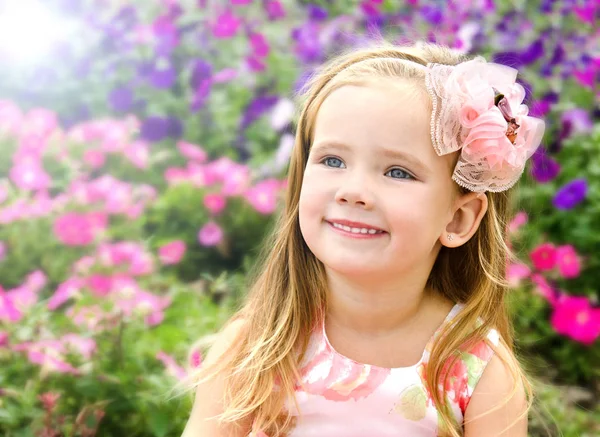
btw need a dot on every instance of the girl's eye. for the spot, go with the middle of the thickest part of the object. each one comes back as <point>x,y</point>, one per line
<point>330,161</point>
<point>398,173</point>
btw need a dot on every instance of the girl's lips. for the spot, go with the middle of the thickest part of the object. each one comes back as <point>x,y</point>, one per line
<point>357,235</point>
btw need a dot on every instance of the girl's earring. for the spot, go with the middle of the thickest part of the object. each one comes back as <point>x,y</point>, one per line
<point>450,237</point>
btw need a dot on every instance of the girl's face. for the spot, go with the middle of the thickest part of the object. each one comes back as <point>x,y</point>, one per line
<point>372,162</point>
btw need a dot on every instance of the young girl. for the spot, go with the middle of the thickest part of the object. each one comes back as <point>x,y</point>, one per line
<point>380,308</point>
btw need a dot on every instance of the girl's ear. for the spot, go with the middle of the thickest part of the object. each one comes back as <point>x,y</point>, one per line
<point>469,210</point>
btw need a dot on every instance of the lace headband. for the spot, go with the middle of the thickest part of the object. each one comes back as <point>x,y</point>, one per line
<point>478,107</point>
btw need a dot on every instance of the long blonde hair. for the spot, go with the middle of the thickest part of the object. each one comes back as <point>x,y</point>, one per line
<point>288,294</point>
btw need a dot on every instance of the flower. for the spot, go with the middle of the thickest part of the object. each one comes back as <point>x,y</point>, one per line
<point>215,203</point>
<point>568,262</point>
<point>543,257</point>
<point>154,129</point>
<point>74,229</point>
<point>274,9</point>
<point>575,318</point>
<point>171,365</point>
<point>121,98</point>
<point>226,26</point>
<point>263,196</point>
<point>192,151</point>
<point>571,194</point>
<point>516,272</point>
<point>544,168</point>
<point>64,292</point>
<point>518,221</point>
<point>210,234</point>
<point>493,129</point>
<point>171,253</point>
<point>543,288</point>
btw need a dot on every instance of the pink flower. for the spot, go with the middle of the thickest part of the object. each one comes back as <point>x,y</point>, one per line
<point>171,365</point>
<point>274,9</point>
<point>138,153</point>
<point>36,280</point>
<point>260,45</point>
<point>263,196</point>
<point>569,264</point>
<point>145,304</point>
<point>94,158</point>
<point>64,292</point>
<point>192,152</point>
<point>575,318</point>
<point>171,253</point>
<point>49,400</point>
<point>3,338</point>
<point>11,118</point>
<point>517,222</point>
<point>8,310</point>
<point>23,297</point>
<point>227,25</point>
<point>215,203</point>
<point>195,358</point>
<point>210,234</point>
<point>82,345</point>
<point>40,121</point>
<point>30,176</point>
<point>141,264</point>
<point>225,75</point>
<point>235,180</point>
<point>100,285</point>
<point>543,257</point>
<point>543,288</point>
<point>175,175</point>
<point>74,229</point>
<point>516,272</point>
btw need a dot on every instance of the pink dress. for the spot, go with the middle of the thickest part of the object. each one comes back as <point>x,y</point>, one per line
<point>342,397</point>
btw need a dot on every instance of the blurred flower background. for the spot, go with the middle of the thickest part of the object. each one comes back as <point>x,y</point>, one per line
<point>144,149</point>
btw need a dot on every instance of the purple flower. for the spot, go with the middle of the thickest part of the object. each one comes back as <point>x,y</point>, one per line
<point>154,129</point>
<point>174,127</point>
<point>256,108</point>
<point>578,120</point>
<point>167,35</point>
<point>544,168</point>
<point>317,13</point>
<point>558,56</point>
<point>571,194</point>
<point>201,70</point>
<point>200,95</point>
<point>120,99</point>
<point>432,14</point>
<point>534,52</point>
<point>308,47</point>
<point>164,75</point>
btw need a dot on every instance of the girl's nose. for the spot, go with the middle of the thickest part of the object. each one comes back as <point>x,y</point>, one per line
<point>355,191</point>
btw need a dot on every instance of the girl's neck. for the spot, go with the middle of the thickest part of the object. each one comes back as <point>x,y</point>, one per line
<point>375,312</point>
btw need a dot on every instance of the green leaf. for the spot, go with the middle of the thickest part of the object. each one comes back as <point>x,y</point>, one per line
<point>159,422</point>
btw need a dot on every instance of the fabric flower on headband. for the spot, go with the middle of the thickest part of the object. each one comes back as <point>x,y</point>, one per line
<point>478,107</point>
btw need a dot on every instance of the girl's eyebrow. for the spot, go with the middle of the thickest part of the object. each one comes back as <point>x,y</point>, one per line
<point>389,153</point>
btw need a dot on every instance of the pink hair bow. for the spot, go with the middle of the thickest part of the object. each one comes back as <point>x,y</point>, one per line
<point>478,107</point>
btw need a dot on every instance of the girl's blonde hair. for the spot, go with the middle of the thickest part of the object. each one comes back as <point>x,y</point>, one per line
<point>288,297</point>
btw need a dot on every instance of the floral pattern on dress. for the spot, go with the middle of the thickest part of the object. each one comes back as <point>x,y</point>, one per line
<point>335,378</point>
<point>459,381</point>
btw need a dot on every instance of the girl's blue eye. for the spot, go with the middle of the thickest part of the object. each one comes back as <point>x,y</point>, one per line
<point>398,173</point>
<point>333,162</point>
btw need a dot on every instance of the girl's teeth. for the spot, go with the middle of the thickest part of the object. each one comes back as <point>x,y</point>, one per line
<point>356,230</point>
